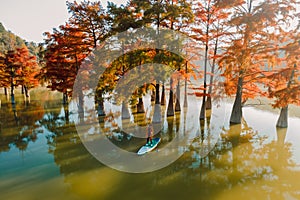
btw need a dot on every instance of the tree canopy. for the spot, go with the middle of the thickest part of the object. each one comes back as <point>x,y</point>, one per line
<point>246,40</point>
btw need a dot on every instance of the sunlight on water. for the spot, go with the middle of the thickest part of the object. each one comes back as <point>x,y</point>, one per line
<point>94,184</point>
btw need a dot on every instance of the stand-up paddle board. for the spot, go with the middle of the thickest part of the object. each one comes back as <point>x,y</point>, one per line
<point>147,148</point>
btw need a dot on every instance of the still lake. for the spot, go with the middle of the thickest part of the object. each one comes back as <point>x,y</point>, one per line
<point>42,155</point>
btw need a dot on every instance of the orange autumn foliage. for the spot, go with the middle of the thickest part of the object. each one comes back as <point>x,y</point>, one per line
<point>284,81</point>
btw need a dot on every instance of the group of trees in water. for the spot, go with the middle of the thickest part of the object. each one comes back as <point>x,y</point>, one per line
<point>253,44</point>
<point>240,160</point>
<point>18,63</point>
<point>249,42</point>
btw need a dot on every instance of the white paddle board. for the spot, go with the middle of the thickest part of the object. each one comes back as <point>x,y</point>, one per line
<point>147,148</point>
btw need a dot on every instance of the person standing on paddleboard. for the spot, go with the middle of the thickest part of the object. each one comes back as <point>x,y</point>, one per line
<point>149,134</point>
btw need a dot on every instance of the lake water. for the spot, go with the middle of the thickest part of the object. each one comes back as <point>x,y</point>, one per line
<point>42,155</point>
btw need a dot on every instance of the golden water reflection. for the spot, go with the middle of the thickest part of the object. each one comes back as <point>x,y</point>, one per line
<point>244,164</point>
<point>241,165</point>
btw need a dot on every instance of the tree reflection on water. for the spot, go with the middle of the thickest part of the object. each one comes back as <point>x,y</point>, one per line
<point>18,124</point>
<point>242,164</point>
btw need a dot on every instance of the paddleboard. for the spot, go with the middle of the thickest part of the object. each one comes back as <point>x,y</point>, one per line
<point>147,148</point>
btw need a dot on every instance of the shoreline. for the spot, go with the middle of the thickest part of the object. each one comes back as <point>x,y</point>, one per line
<point>263,103</point>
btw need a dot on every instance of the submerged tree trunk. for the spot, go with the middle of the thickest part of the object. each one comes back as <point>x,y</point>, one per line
<point>81,105</point>
<point>12,94</point>
<point>236,114</point>
<point>170,110</point>
<point>282,121</point>
<point>208,102</point>
<point>140,106</point>
<point>157,118</point>
<point>100,103</point>
<point>177,102</point>
<point>157,93</point>
<point>203,107</point>
<point>26,92</point>
<point>80,99</point>
<point>163,96</point>
<point>153,95</point>
<point>66,110</point>
<point>125,111</point>
<point>65,98</point>
<point>26,95</point>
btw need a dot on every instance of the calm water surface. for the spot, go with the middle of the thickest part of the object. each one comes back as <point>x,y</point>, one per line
<point>42,157</point>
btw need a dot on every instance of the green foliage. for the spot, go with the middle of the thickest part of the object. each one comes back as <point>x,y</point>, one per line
<point>8,40</point>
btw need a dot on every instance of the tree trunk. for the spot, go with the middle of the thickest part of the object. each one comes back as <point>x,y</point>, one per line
<point>208,104</point>
<point>185,103</point>
<point>208,101</point>
<point>100,103</point>
<point>177,104</point>
<point>282,121</point>
<point>157,93</point>
<point>80,100</point>
<point>236,114</point>
<point>12,94</point>
<point>81,105</point>
<point>5,91</point>
<point>153,94</point>
<point>125,111</point>
<point>65,98</point>
<point>140,106</point>
<point>26,91</point>
<point>22,89</point>
<point>157,118</point>
<point>203,107</point>
<point>66,110</point>
<point>170,110</point>
<point>163,96</point>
